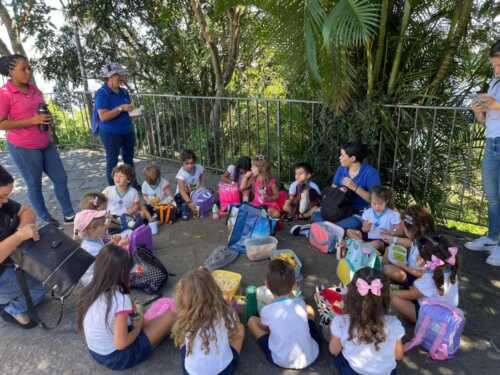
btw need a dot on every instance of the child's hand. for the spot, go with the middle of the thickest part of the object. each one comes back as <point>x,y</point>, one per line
<point>248,174</point>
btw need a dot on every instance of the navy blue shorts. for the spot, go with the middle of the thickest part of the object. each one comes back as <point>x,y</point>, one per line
<point>344,368</point>
<point>417,307</point>
<point>410,279</point>
<point>229,370</point>
<point>132,355</point>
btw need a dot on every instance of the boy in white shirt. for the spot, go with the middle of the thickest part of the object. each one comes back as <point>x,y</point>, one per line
<point>189,178</point>
<point>285,330</point>
<point>303,195</point>
<point>155,189</point>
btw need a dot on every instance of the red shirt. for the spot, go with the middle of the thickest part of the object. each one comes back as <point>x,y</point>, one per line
<point>18,105</point>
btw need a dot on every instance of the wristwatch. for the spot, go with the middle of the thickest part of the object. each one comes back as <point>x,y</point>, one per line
<point>120,109</point>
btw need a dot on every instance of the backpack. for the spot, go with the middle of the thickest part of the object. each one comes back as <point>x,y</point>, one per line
<point>336,204</point>
<point>247,221</point>
<point>204,200</point>
<point>359,255</point>
<point>148,273</point>
<point>229,194</point>
<point>166,213</point>
<point>438,330</point>
<point>141,237</point>
<point>324,236</point>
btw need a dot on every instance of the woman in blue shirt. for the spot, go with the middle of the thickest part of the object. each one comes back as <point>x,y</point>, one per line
<point>116,130</point>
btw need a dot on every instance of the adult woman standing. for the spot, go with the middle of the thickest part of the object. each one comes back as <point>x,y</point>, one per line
<point>486,108</point>
<point>30,144</point>
<point>116,130</point>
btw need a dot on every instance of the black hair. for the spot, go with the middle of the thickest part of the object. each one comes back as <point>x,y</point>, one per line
<point>7,63</point>
<point>358,150</point>
<point>244,164</point>
<point>5,177</point>
<point>495,49</point>
<point>187,155</point>
<point>280,277</point>
<point>383,193</point>
<point>305,166</point>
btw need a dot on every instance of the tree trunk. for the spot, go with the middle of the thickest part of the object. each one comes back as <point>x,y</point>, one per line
<point>4,50</point>
<point>379,56</point>
<point>12,31</point>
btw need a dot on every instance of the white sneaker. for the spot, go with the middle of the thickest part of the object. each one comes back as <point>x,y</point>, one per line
<point>494,258</point>
<point>483,243</point>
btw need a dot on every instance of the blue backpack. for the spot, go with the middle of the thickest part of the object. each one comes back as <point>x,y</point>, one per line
<point>247,221</point>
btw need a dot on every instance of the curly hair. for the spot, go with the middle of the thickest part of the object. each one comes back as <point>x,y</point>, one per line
<point>367,313</point>
<point>200,307</point>
<point>93,200</point>
<point>126,170</point>
<point>417,221</point>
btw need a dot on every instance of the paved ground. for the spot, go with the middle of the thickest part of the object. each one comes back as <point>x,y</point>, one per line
<point>184,246</point>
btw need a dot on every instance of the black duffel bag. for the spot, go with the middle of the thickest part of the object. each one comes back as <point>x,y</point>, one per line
<point>56,260</point>
<point>336,204</point>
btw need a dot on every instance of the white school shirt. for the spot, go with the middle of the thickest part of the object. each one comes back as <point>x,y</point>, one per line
<point>92,247</point>
<point>387,221</point>
<point>413,255</point>
<point>290,340</point>
<point>118,205</point>
<point>157,191</point>
<point>98,335</point>
<point>218,357</point>
<point>362,357</point>
<point>493,115</point>
<point>190,179</point>
<point>425,284</point>
<point>292,190</point>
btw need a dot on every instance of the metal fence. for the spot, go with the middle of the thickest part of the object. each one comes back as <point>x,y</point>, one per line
<point>429,155</point>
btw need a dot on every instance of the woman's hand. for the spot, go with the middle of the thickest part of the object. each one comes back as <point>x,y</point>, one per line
<point>127,107</point>
<point>42,119</point>
<point>488,102</point>
<point>348,182</point>
<point>27,232</point>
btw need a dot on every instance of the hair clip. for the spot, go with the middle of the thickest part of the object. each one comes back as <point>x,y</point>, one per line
<point>95,201</point>
<point>434,263</point>
<point>375,287</point>
<point>260,157</point>
<point>452,260</point>
<point>408,220</point>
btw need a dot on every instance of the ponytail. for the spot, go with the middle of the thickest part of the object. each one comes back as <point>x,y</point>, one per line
<point>7,63</point>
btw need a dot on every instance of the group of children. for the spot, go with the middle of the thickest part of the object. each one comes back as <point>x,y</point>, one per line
<point>366,339</point>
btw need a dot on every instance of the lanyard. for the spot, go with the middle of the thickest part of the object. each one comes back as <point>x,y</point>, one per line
<point>378,217</point>
<point>121,195</point>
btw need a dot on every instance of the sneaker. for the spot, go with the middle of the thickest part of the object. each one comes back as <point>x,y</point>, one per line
<point>55,223</point>
<point>494,258</point>
<point>295,230</point>
<point>300,230</point>
<point>483,243</point>
<point>69,219</point>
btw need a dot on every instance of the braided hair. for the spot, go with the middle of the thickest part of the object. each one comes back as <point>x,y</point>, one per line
<point>7,63</point>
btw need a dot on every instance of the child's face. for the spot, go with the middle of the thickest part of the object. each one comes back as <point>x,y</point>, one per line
<point>301,175</point>
<point>378,204</point>
<point>188,165</point>
<point>120,179</point>
<point>255,170</point>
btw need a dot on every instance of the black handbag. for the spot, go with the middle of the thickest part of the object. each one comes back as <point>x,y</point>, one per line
<point>148,272</point>
<point>336,204</point>
<point>56,260</point>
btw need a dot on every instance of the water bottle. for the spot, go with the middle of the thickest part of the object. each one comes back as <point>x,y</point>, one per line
<point>251,308</point>
<point>215,211</point>
<point>43,109</point>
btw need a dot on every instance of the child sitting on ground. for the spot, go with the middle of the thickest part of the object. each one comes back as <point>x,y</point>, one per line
<point>285,331</point>
<point>263,186</point>
<point>93,201</point>
<point>377,219</point>
<point>365,339</point>
<point>155,189</point>
<point>207,328</point>
<point>189,178</point>
<point>417,222</point>
<point>235,173</point>
<point>438,282</point>
<point>114,336</point>
<point>303,194</point>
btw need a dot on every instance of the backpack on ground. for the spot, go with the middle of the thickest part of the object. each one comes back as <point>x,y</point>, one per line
<point>204,199</point>
<point>336,204</point>
<point>167,213</point>
<point>148,273</point>
<point>438,329</point>
<point>247,221</point>
<point>141,237</point>
<point>229,194</point>
<point>359,255</point>
<point>324,236</point>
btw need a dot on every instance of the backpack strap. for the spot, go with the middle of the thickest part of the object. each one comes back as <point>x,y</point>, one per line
<point>419,335</point>
<point>436,351</point>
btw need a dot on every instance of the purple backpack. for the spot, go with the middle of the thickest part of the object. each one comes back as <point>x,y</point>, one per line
<point>141,237</point>
<point>438,330</point>
<point>204,199</point>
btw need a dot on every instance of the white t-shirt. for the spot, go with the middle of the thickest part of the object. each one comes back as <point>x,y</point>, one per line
<point>190,179</point>
<point>155,191</point>
<point>118,204</point>
<point>92,247</point>
<point>493,115</point>
<point>218,357</point>
<point>98,335</point>
<point>363,358</point>
<point>413,255</point>
<point>425,284</point>
<point>387,221</point>
<point>292,190</point>
<point>290,340</point>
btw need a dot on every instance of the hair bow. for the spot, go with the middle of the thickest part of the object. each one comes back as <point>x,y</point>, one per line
<point>375,287</point>
<point>434,263</point>
<point>452,260</point>
<point>95,201</point>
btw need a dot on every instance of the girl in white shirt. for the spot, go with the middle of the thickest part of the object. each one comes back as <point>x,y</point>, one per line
<point>105,310</point>
<point>365,340</point>
<point>439,280</point>
<point>207,329</point>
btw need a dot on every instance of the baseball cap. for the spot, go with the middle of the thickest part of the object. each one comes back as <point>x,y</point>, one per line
<point>85,217</point>
<point>110,69</point>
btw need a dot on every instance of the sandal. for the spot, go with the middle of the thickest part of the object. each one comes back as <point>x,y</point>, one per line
<point>10,319</point>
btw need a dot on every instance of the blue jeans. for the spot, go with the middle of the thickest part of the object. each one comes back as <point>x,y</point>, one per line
<point>32,163</point>
<point>113,144</point>
<point>11,295</point>
<point>351,222</point>
<point>491,184</point>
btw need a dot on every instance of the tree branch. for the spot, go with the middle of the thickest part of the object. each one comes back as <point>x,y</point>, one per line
<point>4,50</point>
<point>12,30</point>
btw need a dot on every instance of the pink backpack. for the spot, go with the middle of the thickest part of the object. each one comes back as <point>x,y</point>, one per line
<point>324,236</point>
<point>229,194</point>
<point>159,307</point>
<point>438,330</point>
<point>141,237</point>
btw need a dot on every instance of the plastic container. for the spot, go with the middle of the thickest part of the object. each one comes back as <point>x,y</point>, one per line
<point>251,307</point>
<point>154,227</point>
<point>297,264</point>
<point>228,282</point>
<point>260,248</point>
<point>397,254</point>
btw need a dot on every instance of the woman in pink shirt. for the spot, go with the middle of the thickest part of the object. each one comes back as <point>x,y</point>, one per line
<point>29,145</point>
